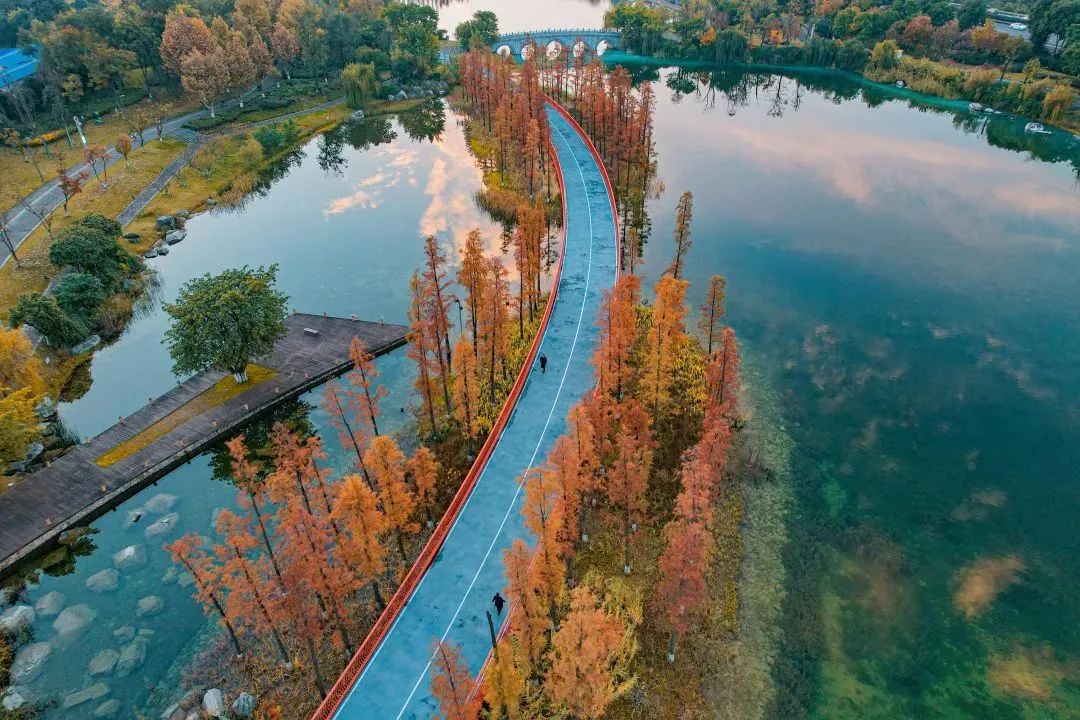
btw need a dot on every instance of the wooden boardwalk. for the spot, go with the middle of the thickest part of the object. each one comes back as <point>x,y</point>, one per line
<point>74,490</point>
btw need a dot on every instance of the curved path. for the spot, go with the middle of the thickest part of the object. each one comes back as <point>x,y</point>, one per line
<point>389,677</point>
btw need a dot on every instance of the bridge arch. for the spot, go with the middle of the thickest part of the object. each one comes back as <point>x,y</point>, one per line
<point>580,40</point>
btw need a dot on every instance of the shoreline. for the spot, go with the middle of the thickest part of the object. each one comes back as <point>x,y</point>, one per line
<point>897,93</point>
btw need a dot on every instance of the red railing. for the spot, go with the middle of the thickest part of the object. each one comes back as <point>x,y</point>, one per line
<point>332,703</point>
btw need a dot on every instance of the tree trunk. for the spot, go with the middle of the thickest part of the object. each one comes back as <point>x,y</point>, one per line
<point>320,684</point>
<point>671,646</point>
<point>379,602</point>
<point>240,376</point>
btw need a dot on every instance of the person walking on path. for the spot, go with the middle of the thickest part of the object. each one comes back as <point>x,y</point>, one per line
<point>499,602</point>
<point>543,363</point>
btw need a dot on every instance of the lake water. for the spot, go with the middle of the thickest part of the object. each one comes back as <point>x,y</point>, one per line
<point>903,285</point>
<point>909,292</point>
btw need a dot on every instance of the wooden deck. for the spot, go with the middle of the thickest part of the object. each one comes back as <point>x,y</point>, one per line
<point>74,490</point>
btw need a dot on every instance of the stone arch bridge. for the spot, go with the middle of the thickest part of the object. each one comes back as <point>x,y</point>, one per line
<point>580,40</point>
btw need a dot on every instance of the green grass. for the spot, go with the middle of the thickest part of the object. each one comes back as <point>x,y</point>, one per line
<point>224,390</point>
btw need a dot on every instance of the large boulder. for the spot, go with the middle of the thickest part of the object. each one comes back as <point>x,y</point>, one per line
<point>185,580</point>
<point>124,634</point>
<point>50,604</point>
<point>166,222</point>
<point>214,703</point>
<point>132,656</point>
<point>160,504</point>
<point>162,527</point>
<point>104,662</point>
<point>150,605</point>
<point>133,516</point>
<point>28,662</point>
<point>94,692</point>
<point>104,581</point>
<point>73,621</point>
<point>16,618</point>
<point>129,557</point>
<point>107,709</point>
<point>15,697</point>
<point>175,236</point>
<point>244,705</point>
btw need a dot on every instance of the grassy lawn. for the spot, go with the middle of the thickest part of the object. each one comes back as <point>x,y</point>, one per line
<point>19,175</point>
<point>216,167</point>
<point>125,182</point>
<point>224,390</point>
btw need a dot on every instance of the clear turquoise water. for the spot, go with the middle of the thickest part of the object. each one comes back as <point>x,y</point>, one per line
<point>907,283</point>
<point>910,290</point>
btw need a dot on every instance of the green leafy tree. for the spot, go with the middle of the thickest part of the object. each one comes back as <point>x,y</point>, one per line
<point>44,313</point>
<point>1053,17</point>
<point>270,138</point>
<point>90,246</point>
<point>971,14</point>
<point>223,321</point>
<point>885,55</point>
<point>482,30</point>
<point>360,83</point>
<point>80,295</point>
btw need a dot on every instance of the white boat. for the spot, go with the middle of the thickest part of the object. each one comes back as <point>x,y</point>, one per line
<point>975,107</point>
<point>1034,127</point>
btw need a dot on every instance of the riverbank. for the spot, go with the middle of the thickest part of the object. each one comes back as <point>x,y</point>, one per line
<point>887,89</point>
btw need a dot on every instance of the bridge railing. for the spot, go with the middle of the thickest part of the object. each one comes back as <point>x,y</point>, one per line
<point>593,32</point>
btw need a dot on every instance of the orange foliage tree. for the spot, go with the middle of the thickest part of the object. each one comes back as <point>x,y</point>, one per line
<point>452,685</point>
<point>581,681</point>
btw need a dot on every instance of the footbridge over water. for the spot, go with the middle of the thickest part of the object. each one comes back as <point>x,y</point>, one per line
<point>445,593</point>
<point>580,40</point>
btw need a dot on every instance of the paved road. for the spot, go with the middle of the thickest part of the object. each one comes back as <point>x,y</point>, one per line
<point>450,600</point>
<point>21,222</point>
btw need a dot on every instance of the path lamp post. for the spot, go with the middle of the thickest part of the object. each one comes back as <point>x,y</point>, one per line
<point>460,321</point>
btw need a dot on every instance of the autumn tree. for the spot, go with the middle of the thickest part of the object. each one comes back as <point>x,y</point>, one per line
<point>664,338</point>
<point>531,620</point>
<point>365,398</point>
<point>683,216</point>
<point>241,574</point>
<point>467,390</point>
<point>452,685</point>
<point>183,35</point>
<point>581,680</point>
<point>543,511</point>
<point>436,304</point>
<point>493,330</point>
<point>338,405</point>
<point>504,684</point>
<point>423,347</point>
<point>723,372</point>
<point>206,76</point>
<point>617,337</point>
<point>423,468</point>
<point>356,510</point>
<point>189,553</point>
<point>681,593</point>
<point>95,155</point>
<point>387,466</point>
<point>19,366</point>
<point>70,185</point>
<point>123,146</point>
<point>627,478</point>
<point>473,277</point>
<point>712,311</point>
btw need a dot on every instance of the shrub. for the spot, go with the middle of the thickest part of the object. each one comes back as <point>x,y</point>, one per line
<point>45,314</point>
<point>80,296</point>
<point>373,56</point>
<point>270,138</point>
<point>90,246</point>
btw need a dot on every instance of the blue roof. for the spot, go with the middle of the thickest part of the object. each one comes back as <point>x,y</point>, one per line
<point>15,65</point>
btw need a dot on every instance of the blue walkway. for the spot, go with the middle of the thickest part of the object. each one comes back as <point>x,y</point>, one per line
<point>450,601</point>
